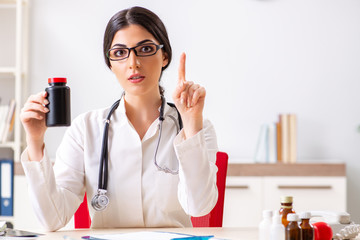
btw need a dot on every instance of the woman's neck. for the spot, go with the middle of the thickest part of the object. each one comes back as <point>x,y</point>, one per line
<point>142,111</point>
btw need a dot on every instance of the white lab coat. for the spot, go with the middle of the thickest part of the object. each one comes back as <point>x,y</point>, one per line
<point>139,194</point>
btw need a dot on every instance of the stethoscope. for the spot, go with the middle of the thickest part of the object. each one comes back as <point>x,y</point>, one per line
<point>100,201</point>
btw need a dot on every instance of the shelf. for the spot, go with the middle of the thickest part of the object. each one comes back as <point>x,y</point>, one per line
<point>287,169</point>
<point>8,70</point>
<point>10,3</point>
<point>7,4</point>
<point>7,145</point>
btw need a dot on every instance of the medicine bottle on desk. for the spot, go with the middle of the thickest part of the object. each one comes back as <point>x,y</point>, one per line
<point>292,230</point>
<point>307,230</point>
<point>58,95</point>
<point>286,208</point>
<point>265,225</point>
<point>277,230</point>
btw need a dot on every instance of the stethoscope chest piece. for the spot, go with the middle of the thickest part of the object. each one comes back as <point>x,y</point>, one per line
<point>100,201</point>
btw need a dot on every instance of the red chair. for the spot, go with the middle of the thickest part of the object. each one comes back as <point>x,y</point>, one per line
<point>213,219</point>
<point>82,217</point>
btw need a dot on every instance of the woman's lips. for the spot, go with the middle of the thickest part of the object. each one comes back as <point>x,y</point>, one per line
<point>136,78</point>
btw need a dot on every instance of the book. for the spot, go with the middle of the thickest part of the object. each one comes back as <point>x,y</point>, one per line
<point>292,138</point>
<point>9,121</point>
<point>261,149</point>
<point>278,142</point>
<point>272,143</point>
<point>284,125</point>
<point>3,114</point>
<point>287,138</point>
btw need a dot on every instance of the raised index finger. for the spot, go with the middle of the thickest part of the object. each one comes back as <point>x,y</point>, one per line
<point>182,68</point>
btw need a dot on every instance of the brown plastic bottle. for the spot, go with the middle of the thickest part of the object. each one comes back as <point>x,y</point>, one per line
<point>286,208</point>
<point>293,230</point>
<point>307,230</point>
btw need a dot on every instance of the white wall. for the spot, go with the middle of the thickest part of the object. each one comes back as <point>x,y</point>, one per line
<point>256,58</point>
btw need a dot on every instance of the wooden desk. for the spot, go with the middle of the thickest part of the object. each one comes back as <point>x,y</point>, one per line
<point>224,233</point>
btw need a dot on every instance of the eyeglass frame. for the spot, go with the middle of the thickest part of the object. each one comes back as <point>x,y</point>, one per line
<point>158,47</point>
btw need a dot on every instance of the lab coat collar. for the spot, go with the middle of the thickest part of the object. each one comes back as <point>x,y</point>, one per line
<point>168,109</point>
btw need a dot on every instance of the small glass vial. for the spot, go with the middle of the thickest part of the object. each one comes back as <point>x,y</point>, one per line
<point>58,95</point>
<point>307,230</point>
<point>286,208</point>
<point>292,230</point>
<point>265,225</point>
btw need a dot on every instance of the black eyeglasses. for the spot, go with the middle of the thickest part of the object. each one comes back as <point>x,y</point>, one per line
<point>143,50</point>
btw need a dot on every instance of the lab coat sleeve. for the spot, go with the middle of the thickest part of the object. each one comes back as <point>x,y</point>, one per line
<point>197,191</point>
<point>56,192</point>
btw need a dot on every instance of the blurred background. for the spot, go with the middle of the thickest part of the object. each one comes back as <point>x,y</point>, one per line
<point>256,59</point>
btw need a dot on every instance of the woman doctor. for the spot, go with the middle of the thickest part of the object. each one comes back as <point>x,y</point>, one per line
<point>158,175</point>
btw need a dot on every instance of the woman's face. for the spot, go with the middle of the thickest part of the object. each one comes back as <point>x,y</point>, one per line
<point>137,75</point>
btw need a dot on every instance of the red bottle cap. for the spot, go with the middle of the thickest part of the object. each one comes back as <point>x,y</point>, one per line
<point>57,80</point>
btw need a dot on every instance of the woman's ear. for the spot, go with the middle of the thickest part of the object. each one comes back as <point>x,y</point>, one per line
<point>165,60</point>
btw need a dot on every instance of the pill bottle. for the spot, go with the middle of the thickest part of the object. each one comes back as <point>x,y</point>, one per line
<point>292,230</point>
<point>286,208</point>
<point>265,225</point>
<point>277,230</point>
<point>307,230</point>
<point>58,95</point>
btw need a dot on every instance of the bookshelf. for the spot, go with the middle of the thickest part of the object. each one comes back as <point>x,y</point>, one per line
<point>13,66</point>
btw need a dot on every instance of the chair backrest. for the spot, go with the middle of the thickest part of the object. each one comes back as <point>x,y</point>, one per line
<point>213,219</point>
<point>82,217</point>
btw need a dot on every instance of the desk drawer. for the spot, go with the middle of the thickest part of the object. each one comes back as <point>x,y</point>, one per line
<point>310,193</point>
<point>243,202</point>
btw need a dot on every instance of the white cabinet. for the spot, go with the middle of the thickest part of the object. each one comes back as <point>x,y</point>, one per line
<point>243,201</point>
<point>310,193</point>
<point>24,215</point>
<point>247,197</point>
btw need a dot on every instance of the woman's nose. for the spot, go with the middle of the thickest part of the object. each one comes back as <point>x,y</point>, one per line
<point>133,60</point>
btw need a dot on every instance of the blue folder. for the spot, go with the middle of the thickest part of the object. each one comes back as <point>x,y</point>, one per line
<point>6,187</point>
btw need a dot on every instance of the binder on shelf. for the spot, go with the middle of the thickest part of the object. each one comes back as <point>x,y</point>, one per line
<point>7,187</point>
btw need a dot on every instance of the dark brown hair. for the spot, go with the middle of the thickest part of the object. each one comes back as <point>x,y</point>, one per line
<point>140,16</point>
<point>143,17</point>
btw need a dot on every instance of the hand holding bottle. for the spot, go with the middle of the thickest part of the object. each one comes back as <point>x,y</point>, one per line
<point>33,119</point>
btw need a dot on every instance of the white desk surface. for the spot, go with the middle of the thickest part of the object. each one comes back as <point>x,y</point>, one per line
<point>224,233</point>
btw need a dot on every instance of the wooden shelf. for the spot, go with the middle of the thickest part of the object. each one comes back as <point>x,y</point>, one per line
<point>7,145</point>
<point>8,70</point>
<point>282,169</point>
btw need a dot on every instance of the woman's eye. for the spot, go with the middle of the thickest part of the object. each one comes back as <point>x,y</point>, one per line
<point>120,52</point>
<point>147,49</point>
